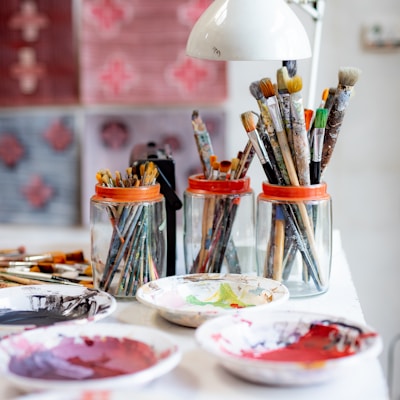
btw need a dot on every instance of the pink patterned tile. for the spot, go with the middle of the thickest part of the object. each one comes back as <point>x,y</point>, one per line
<point>133,52</point>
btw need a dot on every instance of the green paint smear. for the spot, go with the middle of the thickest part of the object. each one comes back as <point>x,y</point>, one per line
<point>225,298</point>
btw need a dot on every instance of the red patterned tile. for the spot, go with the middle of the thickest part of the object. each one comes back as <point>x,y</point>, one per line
<point>38,63</point>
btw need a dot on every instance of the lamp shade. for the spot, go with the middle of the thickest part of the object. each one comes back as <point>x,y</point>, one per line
<point>248,30</point>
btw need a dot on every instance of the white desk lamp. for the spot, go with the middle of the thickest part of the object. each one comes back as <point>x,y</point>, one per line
<point>255,30</point>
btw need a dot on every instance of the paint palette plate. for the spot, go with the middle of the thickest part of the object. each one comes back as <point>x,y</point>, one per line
<point>191,299</point>
<point>288,348</point>
<point>30,306</point>
<point>101,356</point>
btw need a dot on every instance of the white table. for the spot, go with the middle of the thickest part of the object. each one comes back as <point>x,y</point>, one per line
<point>198,376</point>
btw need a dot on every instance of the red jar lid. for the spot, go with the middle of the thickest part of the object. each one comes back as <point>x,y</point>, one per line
<point>294,193</point>
<point>198,184</point>
<point>134,194</point>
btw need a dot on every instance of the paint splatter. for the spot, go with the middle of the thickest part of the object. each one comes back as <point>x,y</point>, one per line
<point>84,358</point>
<point>321,342</point>
<point>225,297</point>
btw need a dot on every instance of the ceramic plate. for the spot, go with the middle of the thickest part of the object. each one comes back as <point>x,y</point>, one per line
<point>23,307</point>
<point>288,348</point>
<point>190,300</point>
<point>97,356</point>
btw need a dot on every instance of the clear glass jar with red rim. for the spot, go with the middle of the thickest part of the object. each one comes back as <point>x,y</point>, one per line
<point>128,238</point>
<point>218,226</point>
<point>294,237</point>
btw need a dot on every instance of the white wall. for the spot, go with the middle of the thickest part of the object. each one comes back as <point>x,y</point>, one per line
<point>363,174</point>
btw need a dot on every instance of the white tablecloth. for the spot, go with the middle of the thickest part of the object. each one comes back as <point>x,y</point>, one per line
<point>198,376</point>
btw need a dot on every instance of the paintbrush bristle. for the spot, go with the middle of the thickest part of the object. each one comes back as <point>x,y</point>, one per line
<point>348,76</point>
<point>325,94</point>
<point>321,116</point>
<point>267,87</point>
<point>248,121</point>
<point>295,84</point>
<point>234,164</point>
<point>282,77</point>
<point>255,90</point>
<point>224,166</point>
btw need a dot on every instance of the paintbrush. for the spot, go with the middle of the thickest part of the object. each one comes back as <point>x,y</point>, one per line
<point>213,159</point>
<point>224,167</point>
<point>318,133</point>
<point>250,127</point>
<point>279,242</point>
<point>291,66</point>
<point>282,77</point>
<point>348,77</point>
<point>203,141</point>
<point>268,90</point>
<point>245,158</point>
<point>330,98</point>
<point>300,140</point>
<point>257,92</point>
<point>234,167</point>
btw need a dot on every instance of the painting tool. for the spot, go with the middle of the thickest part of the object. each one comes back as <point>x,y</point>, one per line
<point>348,77</point>
<point>268,90</point>
<point>329,99</point>
<point>250,127</point>
<point>279,241</point>
<point>226,236</point>
<point>203,141</point>
<point>324,97</point>
<point>300,139</point>
<point>224,168</point>
<point>213,159</point>
<point>291,66</point>
<point>282,77</point>
<point>256,89</point>
<point>318,133</point>
<point>245,160</point>
<point>234,167</point>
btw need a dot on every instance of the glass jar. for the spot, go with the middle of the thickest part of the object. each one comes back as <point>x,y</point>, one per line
<point>128,238</point>
<point>294,237</point>
<point>218,226</point>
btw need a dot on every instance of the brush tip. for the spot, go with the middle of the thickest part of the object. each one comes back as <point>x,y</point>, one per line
<point>348,76</point>
<point>321,116</point>
<point>248,121</point>
<point>255,90</point>
<point>282,77</point>
<point>267,87</point>
<point>295,84</point>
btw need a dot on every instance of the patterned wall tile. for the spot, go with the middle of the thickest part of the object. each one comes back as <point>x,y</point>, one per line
<point>133,52</point>
<point>37,53</point>
<point>39,169</point>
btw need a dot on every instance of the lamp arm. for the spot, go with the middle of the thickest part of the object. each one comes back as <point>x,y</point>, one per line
<point>317,12</point>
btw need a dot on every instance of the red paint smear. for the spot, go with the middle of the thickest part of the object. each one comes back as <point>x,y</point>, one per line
<point>100,357</point>
<point>317,344</point>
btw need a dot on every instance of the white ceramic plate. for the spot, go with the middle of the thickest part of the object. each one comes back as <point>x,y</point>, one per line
<point>191,299</point>
<point>288,347</point>
<point>25,307</point>
<point>90,356</point>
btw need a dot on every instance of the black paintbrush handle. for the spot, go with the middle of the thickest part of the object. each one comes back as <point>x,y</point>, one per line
<point>315,172</point>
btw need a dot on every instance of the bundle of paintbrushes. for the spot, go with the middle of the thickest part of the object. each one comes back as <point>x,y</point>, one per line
<point>222,187</point>
<point>18,267</point>
<point>128,230</point>
<point>294,150</point>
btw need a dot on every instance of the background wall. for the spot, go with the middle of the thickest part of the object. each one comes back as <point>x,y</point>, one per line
<point>363,174</point>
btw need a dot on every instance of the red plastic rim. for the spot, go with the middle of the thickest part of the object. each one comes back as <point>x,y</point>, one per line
<point>198,184</point>
<point>134,194</point>
<point>294,193</point>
